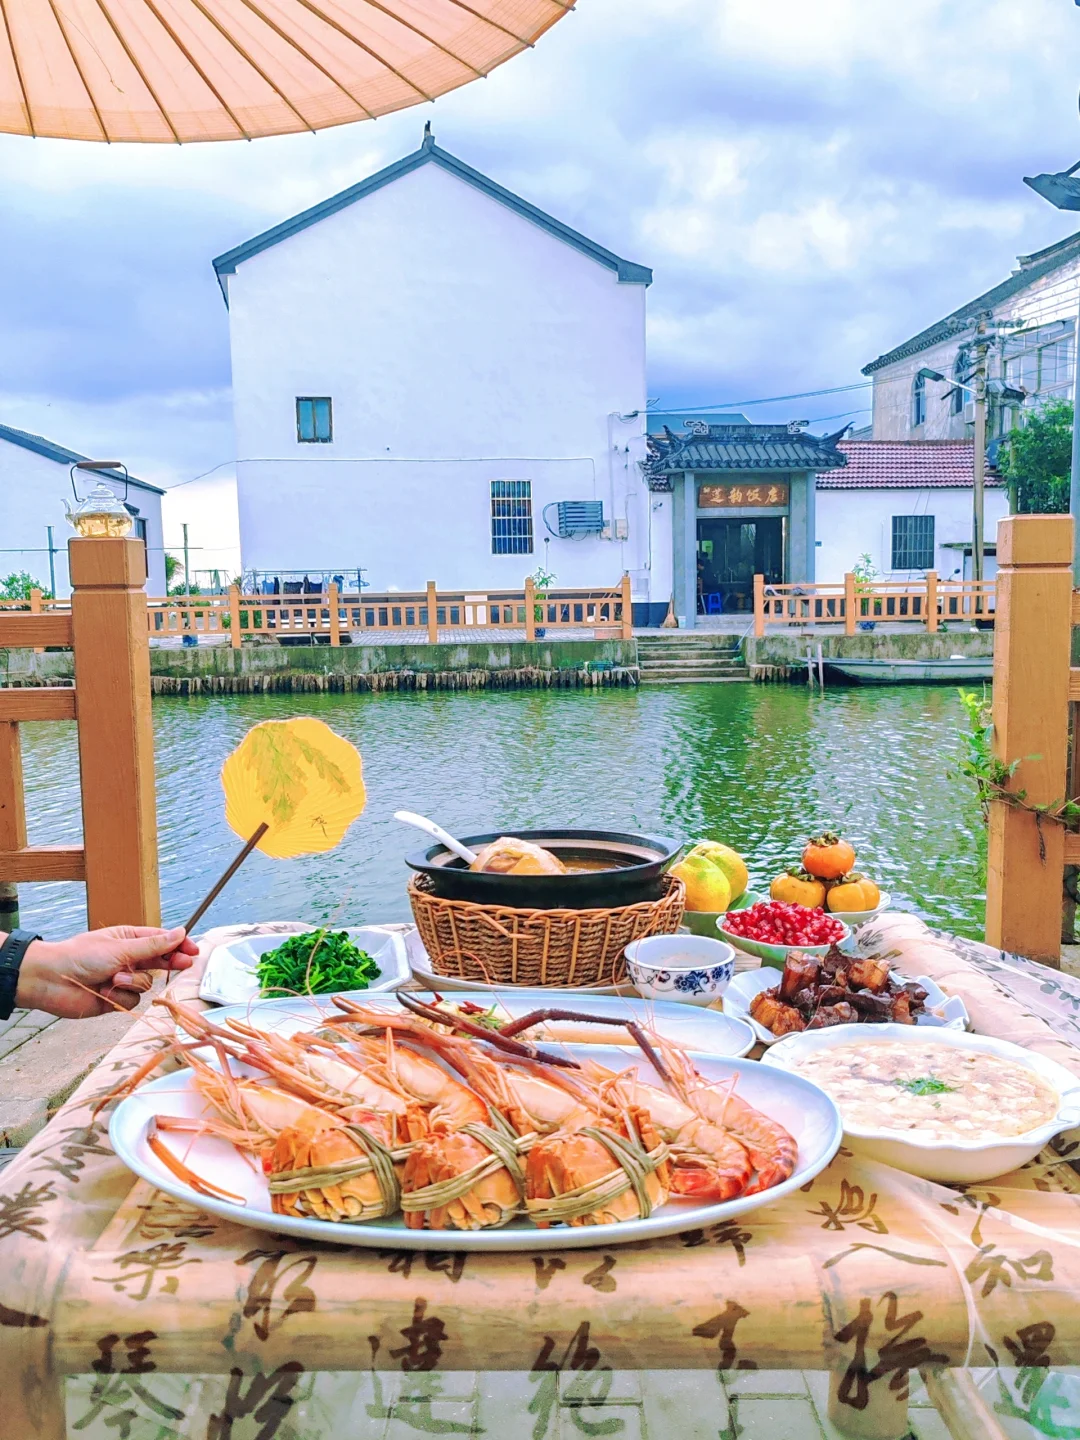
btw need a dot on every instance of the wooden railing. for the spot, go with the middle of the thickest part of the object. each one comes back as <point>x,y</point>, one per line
<point>928,602</point>
<point>104,624</point>
<point>334,614</point>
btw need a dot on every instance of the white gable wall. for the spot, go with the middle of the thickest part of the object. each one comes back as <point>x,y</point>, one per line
<point>33,489</point>
<point>851,523</point>
<point>460,344</point>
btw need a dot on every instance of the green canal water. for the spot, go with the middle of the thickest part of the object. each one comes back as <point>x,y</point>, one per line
<point>759,767</point>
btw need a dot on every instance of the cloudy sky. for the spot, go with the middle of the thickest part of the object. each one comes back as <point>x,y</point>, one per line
<point>811,180</point>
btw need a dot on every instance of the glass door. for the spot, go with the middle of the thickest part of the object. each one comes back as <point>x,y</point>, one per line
<point>730,554</point>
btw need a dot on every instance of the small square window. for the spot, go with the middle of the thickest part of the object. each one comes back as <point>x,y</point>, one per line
<point>913,542</point>
<point>314,420</point>
<point>511,517</point>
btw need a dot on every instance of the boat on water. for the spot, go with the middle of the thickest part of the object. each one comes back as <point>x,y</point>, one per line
<point>952,670</point>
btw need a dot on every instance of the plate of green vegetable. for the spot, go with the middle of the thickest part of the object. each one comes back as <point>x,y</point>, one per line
<point>367,958</point>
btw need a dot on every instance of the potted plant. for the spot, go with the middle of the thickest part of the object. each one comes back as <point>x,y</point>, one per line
<point>865,575</point>
<point>542,581</point>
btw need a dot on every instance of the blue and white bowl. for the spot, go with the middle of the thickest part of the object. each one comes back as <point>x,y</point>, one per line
<point>689,968</point>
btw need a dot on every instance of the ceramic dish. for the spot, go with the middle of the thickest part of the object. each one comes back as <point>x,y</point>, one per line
<point>425,975</point>
<point>703,922</point>
<point>803,1109</point>
<point>708,1031</point>
<point>775,955</point>
<point>230,979</point>
<point>949,1011</point>
<point>953,1161</point>
<point>687,968</point>
<point>855,918</point>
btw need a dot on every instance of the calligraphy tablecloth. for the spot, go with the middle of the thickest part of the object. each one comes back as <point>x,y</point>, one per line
<point>121,1308</point>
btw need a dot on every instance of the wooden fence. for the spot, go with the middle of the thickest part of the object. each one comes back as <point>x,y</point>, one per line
<point>929,603</point>
<point>105,627</point>
<point>335,614</point>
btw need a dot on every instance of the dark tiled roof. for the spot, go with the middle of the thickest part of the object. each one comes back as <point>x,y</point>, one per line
<point>429,154</point>
<point>749,447</point>
<point>1031,268</point>
<point>63,456</point>
<point>905,465</point>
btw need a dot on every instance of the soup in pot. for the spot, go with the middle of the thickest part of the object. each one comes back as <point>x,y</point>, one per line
<point>938,1090</point>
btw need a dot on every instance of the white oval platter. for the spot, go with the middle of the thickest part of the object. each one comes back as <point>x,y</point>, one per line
<point>229,977</point>
<point>804,1110</point>
<point>949,1011</point>
<point>691,1026</point>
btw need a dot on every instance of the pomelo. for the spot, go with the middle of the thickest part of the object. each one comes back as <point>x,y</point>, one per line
<point>707,886</point>
<point>727,860</point>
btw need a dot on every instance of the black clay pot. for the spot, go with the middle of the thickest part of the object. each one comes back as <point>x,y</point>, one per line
<point>635,873</point>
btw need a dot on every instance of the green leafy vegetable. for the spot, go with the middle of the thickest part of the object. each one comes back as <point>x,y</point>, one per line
<point>317,963</point>
<point>925,1085</point>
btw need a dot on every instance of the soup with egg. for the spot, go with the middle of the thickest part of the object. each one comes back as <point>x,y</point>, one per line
<point>940,1091</point>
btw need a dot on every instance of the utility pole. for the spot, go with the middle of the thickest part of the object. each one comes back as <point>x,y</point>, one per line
<point>187,566</point>
<point>978,518</point>
<point>52,563</point>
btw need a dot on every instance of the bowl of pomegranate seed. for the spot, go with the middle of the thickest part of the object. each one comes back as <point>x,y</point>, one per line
<point>771,928</point>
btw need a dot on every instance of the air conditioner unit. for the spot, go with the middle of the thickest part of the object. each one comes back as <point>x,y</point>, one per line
<point>969,413</point>
<point>580,517</point>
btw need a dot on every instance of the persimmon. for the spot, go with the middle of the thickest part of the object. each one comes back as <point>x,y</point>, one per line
<point>796,887</point>
<point>828,857</point>
<point>853,893</point>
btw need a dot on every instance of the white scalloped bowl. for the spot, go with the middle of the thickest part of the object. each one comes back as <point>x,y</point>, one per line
<point>957,1161</point>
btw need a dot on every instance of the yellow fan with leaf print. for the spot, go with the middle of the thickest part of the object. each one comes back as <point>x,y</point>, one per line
<point>292,787</point>
<point>300,780</point>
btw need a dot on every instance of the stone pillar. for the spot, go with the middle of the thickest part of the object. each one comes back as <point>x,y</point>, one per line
<point>801,537</point>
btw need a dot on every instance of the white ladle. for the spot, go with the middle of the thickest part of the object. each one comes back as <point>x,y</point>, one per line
<point>421,822</point>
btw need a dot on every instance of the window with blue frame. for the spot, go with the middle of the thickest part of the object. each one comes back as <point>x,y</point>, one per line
<point>314,419</point>
<point>511,517</point>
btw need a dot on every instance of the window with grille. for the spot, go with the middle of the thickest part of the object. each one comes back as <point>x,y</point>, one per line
<point>959,394</point>
<point>913,542</point>
<point>511,517</point>
<point>314,419</point>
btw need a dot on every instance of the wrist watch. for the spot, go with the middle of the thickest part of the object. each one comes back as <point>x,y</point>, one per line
<point>12,951</point>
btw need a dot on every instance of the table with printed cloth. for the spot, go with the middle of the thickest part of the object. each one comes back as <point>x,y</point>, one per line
<point>125,1315</point>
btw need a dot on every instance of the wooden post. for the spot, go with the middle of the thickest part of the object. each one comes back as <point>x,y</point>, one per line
<point>850,604</point>
<point>12,817</point>
<point>759,605</point>
<point>931,602</point>
<point>236,639</point>
<point>1031,693</point>
<point>432,613</point>
<point>116,737</point>
<point>35,609</point>
<point>530,613</point>
<point>335,613</point>
<point>627,609</point>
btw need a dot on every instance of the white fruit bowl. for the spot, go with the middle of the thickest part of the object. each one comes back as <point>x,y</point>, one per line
<point>954,1161</point>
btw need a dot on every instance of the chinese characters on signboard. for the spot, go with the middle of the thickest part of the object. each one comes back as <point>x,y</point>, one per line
<point>763,493</point>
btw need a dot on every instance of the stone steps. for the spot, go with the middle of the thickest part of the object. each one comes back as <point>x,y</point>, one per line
<point>690,659</point>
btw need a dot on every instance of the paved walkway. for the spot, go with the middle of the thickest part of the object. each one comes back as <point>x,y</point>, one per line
<point>22,1025</point>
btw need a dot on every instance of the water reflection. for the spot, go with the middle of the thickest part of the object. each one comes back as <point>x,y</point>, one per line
<point>760,767</point>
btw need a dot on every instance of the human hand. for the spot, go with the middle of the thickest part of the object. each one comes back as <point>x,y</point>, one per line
<point>114,963</point>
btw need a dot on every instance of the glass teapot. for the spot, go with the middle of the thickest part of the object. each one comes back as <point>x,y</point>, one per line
<point>100,513</point>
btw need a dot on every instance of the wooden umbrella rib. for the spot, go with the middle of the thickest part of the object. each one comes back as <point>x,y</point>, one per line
<point>436,44</point>
<point>138,70</point>
<point>152,7</point>
<point>366,48</point>
<point>254,65</point>
<point>78,70</point>
<point>470,10</point>
<point>308,57</point>
<point>18,70</point>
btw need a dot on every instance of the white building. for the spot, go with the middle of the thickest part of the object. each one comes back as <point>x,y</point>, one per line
<point>35,480</point>
<point>424,367</point>
<point>908,505</point>
<point>1036,351</point>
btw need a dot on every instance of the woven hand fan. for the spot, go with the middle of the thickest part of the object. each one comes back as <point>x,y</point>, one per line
<point>292,787</point>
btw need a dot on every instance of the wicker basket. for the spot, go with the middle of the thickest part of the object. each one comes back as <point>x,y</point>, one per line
<point>501,946</point>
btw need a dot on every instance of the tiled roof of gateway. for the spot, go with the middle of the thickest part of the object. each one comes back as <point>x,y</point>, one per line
<point>1029,269</point>
<point>748,447</point>
<point>905,465</point>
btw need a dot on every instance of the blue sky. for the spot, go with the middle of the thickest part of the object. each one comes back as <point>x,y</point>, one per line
<point>811,183</point>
